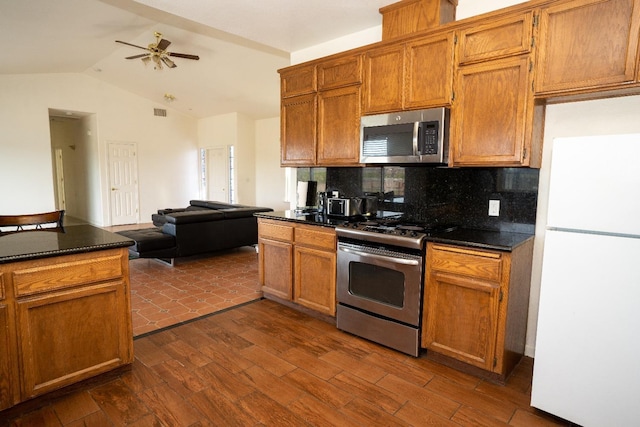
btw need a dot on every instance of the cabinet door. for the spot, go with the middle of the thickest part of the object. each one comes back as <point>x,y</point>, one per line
<point>587,44</point>
<point>339,126</point>
<point>340,72</point>
<point>275,263</point>
<point>462,318</point>
<point>462,304</point>
<point>383,79</point>
<point>64,338</point>
<point>297,80</point>
<point>506,37</point>
<point>492,114</point>
<point>7,371</point>
<point>298,131</point>
<point>429,72</point>
<point>315,279</point>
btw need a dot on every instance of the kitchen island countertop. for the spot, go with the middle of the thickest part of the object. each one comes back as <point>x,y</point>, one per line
<point>482,239</point>
<point>74,239</point>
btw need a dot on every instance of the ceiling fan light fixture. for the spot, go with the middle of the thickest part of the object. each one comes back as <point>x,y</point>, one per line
<point>157,52</point>
<point>169,97</point>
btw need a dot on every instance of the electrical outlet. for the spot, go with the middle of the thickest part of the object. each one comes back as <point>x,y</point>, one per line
<point>494,207</point>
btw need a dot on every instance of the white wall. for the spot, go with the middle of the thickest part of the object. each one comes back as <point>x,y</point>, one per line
<point>167,147</point>
<point>270,177</point>
<point>237,130</point>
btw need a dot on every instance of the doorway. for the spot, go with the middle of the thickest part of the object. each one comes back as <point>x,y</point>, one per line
<point>218,173</point>
<point>123,182</point>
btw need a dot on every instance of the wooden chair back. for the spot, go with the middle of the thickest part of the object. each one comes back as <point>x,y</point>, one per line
<point>36,220</point>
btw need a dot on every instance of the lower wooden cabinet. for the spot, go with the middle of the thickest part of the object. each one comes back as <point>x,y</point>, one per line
<point>476,305</point>
<point>7,372</point>
<point>64,319</point>
<point>297,263</point>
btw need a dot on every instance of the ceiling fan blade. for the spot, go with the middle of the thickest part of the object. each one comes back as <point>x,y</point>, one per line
<point>169,63</point>
<point>183,55</point>
<point>163,44</point>
<point>129,44</point>
<point>142,55</point>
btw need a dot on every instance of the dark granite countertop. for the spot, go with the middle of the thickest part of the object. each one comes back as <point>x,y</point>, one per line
<point>482,239</point>
<point>26,245</point>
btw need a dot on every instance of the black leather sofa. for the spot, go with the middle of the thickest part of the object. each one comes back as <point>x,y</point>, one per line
<point>203,226</point>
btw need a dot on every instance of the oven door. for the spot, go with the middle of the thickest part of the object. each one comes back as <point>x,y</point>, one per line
<point>383,282</point>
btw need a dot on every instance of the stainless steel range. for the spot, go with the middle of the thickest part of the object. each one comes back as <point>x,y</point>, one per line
<point>380,281</point>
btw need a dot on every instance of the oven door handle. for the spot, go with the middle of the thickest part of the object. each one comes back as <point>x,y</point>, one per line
<point>386,258</point>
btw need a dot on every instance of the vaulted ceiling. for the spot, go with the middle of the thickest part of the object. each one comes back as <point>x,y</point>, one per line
<point>241,44</point>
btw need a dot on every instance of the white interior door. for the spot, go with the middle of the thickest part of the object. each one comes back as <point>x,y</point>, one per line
<point>218,174</point>
<point>123,180</point>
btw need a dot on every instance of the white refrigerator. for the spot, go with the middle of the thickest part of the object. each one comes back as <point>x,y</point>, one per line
<point>587,354</point>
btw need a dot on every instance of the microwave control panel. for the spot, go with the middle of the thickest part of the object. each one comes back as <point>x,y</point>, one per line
<point>430,138</point>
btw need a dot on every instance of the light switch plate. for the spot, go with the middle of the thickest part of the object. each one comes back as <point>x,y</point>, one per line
<point>494,207</point>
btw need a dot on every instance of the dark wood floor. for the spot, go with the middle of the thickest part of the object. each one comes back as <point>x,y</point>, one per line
<point>266,364</point>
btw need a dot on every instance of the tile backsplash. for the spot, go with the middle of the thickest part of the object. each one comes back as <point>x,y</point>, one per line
<point>448,195</point>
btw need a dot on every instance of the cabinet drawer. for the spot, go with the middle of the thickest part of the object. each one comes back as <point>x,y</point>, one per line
<point>469,262</point>
<point>277,230</point>
<point>319,238</point>
<point>340,72</point>
<point>298,81</point>
<point>511,36</point>
<point>74,270</point>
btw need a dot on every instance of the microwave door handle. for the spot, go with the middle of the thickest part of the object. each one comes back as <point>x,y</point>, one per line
<point>417,139</point>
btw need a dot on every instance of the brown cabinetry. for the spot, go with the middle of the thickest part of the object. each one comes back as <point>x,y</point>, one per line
<point>494,121</point>
<point>315,268</point>
<point>587,46</point>
<point>275,257</point>
<point>475,305</point>
<point>66,319</point>
<point>320,120</point>
<point>429,71</point>
<point>7,356</point>
<point>297,263</point>
<point>383,79</point>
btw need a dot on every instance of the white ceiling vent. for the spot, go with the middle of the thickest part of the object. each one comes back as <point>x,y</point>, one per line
<point>160,112</point>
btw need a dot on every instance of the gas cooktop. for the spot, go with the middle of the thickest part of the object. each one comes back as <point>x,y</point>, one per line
<point>396,231</point>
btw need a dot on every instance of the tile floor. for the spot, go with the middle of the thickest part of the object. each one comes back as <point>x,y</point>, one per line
<point>163,296</point>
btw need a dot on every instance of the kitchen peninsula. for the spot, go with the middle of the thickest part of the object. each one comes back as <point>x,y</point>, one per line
<point>65,309</point>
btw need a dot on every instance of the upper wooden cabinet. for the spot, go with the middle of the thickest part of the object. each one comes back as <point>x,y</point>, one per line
<point>339,126</point>
<point>504,37</point>
<point>410,16</point>
<point>587,45</point>
<point>429,71</point>
<point>340,72</point>
<point>298,130</point>
<point>321,128</point>
<point>492,116</point>
<point>299,80</point>
<point>383,79</point>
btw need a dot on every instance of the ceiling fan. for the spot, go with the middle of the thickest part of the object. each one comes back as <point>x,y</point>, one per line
<point>157,53</point>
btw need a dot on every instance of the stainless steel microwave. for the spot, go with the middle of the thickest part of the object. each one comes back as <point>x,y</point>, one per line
<point>420,136</point>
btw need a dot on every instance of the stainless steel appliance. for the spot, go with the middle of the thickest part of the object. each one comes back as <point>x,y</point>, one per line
<point>380,272</point>
<point>420,136</point>
<point>352,206</point>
